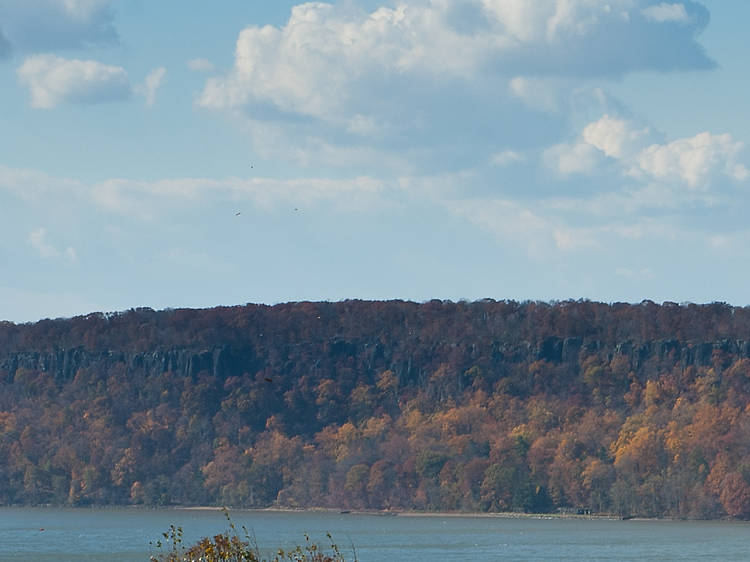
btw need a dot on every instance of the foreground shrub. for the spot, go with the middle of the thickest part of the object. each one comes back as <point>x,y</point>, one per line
<point>229,547</point>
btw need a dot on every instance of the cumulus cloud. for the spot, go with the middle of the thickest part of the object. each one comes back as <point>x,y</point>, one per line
<point>695,162</point>
<point>39,241</point>
<point>37,25</point>
<point>617,138</point>
<point>312,64</point>
<point>52,80</point>
<point>152,83</point>
<point>442,78</point>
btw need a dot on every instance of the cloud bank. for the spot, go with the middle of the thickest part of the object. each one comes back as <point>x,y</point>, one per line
<point>324,52</point>
<point>443,78</point>
<point>459,103</point>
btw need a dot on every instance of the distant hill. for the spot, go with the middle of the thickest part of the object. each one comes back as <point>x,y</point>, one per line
<point>481,406</point>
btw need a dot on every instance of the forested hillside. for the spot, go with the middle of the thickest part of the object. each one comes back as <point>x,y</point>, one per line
<point>627,409</point>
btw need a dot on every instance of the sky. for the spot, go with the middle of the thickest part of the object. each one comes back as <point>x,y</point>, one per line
<point>191,154</point>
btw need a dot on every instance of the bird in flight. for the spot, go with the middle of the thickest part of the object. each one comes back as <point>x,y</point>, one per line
<point>238,213</point>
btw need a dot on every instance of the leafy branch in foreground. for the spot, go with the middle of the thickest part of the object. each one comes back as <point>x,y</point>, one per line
<point>229,547</point>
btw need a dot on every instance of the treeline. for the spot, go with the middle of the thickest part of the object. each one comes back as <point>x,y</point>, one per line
<point>482,406</point>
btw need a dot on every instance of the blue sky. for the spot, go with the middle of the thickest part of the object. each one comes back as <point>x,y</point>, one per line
<point>192,154</point>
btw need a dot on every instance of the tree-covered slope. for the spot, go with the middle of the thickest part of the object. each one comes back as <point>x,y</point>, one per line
<point>628,409</point>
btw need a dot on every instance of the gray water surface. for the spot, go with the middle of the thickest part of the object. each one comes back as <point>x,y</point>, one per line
<point>46,534</point>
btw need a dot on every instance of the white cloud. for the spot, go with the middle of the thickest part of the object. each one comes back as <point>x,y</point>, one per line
<point>200,65</point>
<point>667,13</point>
<point>152,83</point>
<point>415,69</point>
<point>311,64</point>
<point>52,80</point>
<point>38,240</point>
<point>696,162</point>
<point>617,138</point>
<point>43,25</point>
<point>541,226</point>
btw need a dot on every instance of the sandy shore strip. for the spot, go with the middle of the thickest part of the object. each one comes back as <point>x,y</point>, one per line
<point>393,513</point>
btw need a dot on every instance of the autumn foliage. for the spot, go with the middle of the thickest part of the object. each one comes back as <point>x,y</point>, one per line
<point>484,406</point>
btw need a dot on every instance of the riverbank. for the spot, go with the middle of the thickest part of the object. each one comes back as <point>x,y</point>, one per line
<point>374,512</point>
<point>399,513</point>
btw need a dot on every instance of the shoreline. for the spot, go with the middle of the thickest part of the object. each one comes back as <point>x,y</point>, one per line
<point>381,513</point>
<point>431,514</point>
<point>455,514</point>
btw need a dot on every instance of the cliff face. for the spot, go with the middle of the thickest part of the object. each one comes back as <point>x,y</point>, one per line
<point>629,409</point>
<point>63,364</point>
<point>230,361</point>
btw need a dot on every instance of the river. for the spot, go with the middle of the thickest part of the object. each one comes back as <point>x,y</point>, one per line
<point>120,535</point>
